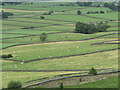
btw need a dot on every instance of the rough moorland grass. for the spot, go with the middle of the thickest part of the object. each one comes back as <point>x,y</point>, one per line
<point>27,52</point>
<point>99,60</point>
<point>111,82</point>
<point>26,76</point>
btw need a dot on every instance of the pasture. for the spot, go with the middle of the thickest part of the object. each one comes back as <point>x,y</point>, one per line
<point>63,49</point>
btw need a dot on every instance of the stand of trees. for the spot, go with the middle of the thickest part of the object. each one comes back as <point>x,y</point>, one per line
<point>90,28</point>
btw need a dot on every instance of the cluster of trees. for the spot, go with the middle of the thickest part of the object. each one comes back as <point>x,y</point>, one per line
<point>95,12</point>
<point>6,56</point>
<point>48,13</point>
<point>90,28</point>
<point>6,14</point>
<point>111,6</point>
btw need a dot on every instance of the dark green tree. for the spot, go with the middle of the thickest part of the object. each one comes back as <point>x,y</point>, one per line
<point>43,36</point>
<point>61,85</point>
<point>79,12</point>
<point>42,17</point>
<point>93,71</point>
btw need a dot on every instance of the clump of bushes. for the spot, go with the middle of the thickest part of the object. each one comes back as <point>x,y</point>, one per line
<point>93,71</point>
<point>14,85</point>
<point>90,28</point>
<point>91,12</point>
<point>42,17</point>
<point>61,85</point>
<point>48,13</point>
<point>7,56</point>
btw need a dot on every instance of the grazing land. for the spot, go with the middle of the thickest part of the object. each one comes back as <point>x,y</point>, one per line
<point>63,52</point>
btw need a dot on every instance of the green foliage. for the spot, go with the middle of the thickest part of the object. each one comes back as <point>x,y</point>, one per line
<point>6,14</point>
<point>61,85</point>
<point>102,12</point>
<point>111,6</point>
<point>9,55</point>
<point>14,85</point>
<point>42,17</point>
<point>6,56</point>
<point>90,28</point>
<point>43,36</point>
<point>79,12</point>
<point>93,71</point>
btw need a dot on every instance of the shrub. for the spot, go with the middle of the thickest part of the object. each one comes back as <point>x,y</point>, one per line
<point>93,71</point>
<point>14,85</point>
<point>61,86</point>
<point>79,12</point>
<point>102,12</point>
<point>42,17</point>
<point>43,36</point>
<point>4,56</point>
<point>9,55</point>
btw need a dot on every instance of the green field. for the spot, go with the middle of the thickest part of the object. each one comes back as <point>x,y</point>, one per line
<point>26,26</point>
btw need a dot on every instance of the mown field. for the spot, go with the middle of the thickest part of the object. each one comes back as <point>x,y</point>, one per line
<point>63,49</point>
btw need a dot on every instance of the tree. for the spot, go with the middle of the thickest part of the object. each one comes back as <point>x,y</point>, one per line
<point>61,86</point>
<point>43,36</point>
<point>93,71</point>
<point>102,12</point>
<point>9,55</point>
<point>42,17</point>
<point>79,12</point>
<point>102,27</point>
<point>14,85</point>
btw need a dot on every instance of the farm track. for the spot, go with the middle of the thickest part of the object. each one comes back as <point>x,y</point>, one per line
<point>60,56</point>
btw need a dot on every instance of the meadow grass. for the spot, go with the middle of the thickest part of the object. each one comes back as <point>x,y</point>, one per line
<point>72,18</point>
<point>29,31</point>
<point>101,60</point>
<point>57,37</point>
<point>24,24</point>
<point>38,20</point>
<point>9,27</point>
<point>26,76</point>
<point>10,35</point>
<point>27,52</point>
<point>110,16</point>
